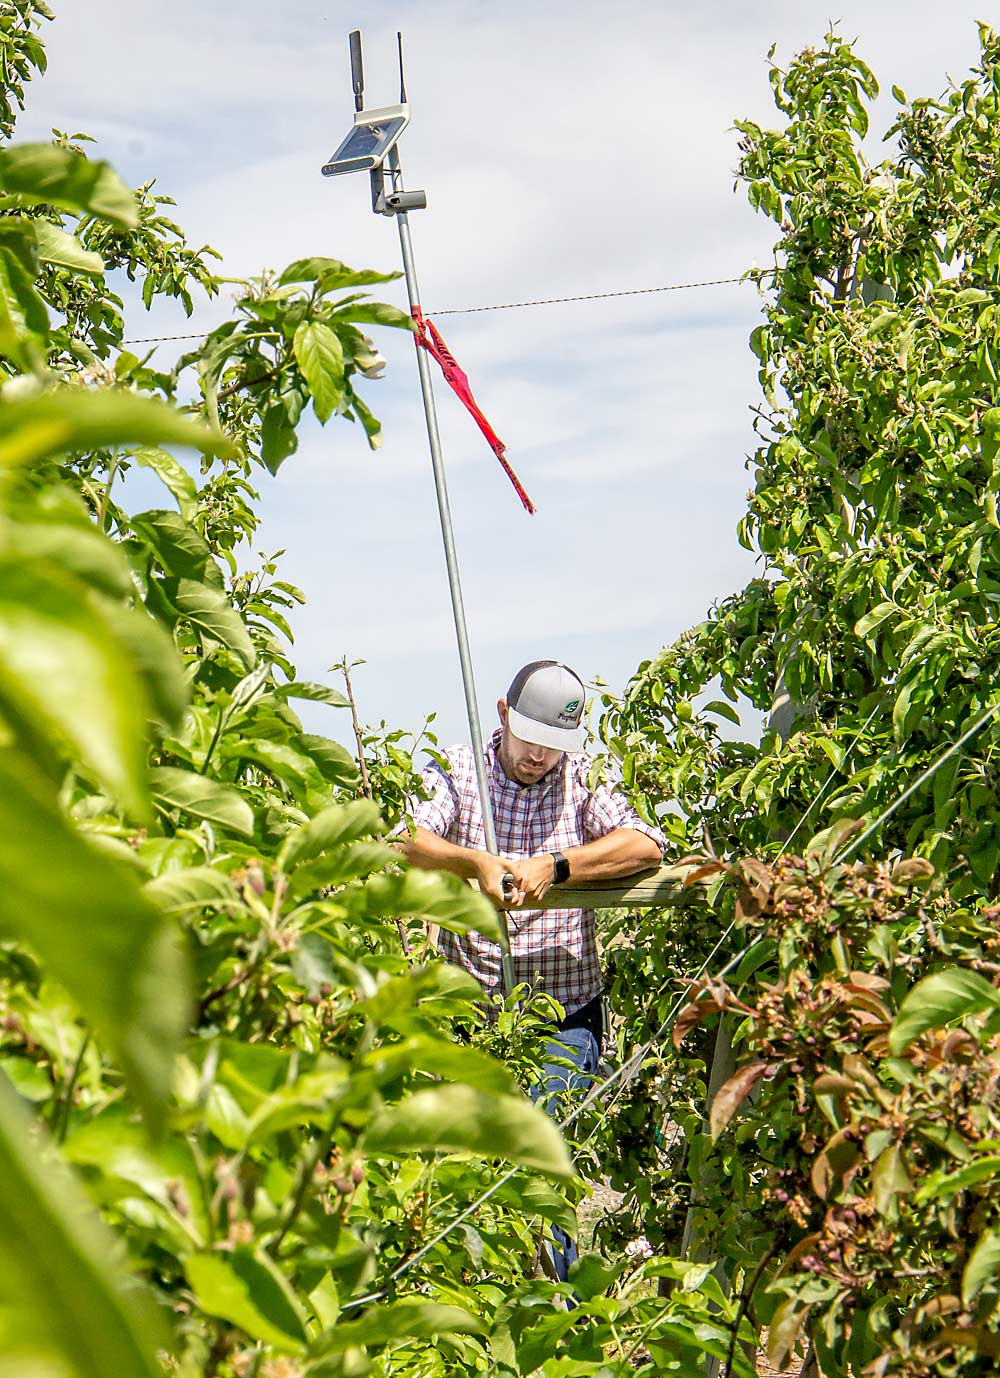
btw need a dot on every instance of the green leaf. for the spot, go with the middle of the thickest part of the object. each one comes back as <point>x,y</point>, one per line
<point>341,865</point>
<point>201,798</point>
<point>943,1185</point>
<point>375,313</point>
<point>172,473</point>
<point>438,983</point>
<point>890,1177</point>
<point>370,422</point>
<point>65,250</point>
<point>246,1289</point>
<point>940,999</point>
<point>316,693</point>
<point>332,827</point>
<point>59,1269</point>
<point>117,1146</point>
<point>332,273</point>
<point>22,311</point>
<point>591,1275</point>
<point>333,761</point>
<point>209,610</point>
<point>89,922</point>
<point>65,671</point>
<point>197,887</point>
<point>982,1266</point>
<point>443,899</point>
<point>434,1057</point>
<point>154,656</point>
<point>278,760</point>
<point>278,438</point>
<point>42,174</point>
<point>453,1118</point>
<point>312,963</point>
<point>408,1319</point>
<point>320,356</point>
<point>78,418</point>
<point>178,547</point>
<point>723,710</point>
<point>306,1101</point>
<point>871,620</point>
<point>80,550</point>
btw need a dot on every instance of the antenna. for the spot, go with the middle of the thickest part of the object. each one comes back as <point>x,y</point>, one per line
<point>402,77</point>
<point>357,70</point>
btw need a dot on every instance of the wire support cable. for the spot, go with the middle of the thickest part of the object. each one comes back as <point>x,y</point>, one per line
<point>514,305</point>
<point>588,296</point>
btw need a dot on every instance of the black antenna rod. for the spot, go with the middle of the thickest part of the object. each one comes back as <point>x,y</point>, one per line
<point>357,70</point>
<point>402,77</point>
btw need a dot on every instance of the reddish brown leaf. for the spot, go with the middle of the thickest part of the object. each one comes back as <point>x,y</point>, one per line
<point>711,868</point>
<point>866,980</point>
<point>785,1328</point>
<point>836,1165</point>
<point>834,1084</point>
<point>730,1097</point>
<point>755,871</point>
<point>747,906</point>
<point>691,1016</point>
<point>908,872</point>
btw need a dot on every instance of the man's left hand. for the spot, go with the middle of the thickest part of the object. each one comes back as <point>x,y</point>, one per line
<point>533,877</point>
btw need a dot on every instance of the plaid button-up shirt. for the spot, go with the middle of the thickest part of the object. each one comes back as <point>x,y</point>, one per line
<point>554,950</point>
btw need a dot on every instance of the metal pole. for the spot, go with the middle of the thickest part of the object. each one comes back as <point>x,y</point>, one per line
<point>454,582</point>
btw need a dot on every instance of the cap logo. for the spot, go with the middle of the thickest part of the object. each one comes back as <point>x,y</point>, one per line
<point>572,706</point>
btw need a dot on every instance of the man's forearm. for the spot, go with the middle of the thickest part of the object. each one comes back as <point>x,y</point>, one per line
<point>432,853</point>
<point>618,853</point>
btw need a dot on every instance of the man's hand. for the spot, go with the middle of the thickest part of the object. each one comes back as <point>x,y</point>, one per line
<point>533,877</point>
<point>490,871</point>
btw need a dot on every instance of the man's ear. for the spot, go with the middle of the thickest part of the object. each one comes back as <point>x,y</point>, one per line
<point>502,711</point>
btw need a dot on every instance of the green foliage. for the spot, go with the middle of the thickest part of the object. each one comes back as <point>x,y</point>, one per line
<point>873,1121</point>
<point>224,1030</point>
<point>869,638</point>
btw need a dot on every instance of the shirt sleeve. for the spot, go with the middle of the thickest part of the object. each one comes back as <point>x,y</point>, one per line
<point>438,812</point>
<point>606,809</point>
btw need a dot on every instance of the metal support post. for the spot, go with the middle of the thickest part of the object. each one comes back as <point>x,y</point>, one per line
<point>451,559</point>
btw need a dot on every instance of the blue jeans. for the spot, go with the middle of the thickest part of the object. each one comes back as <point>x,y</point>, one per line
<point>582,1048</point>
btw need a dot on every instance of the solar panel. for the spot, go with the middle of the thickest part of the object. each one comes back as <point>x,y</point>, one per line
<point>368,143</point>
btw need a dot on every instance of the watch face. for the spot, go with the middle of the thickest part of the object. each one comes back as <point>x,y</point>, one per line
<point>561,868</point>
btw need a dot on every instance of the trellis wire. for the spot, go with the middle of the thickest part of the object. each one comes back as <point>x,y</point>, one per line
<point>515,305</point>
<point>921,780</point>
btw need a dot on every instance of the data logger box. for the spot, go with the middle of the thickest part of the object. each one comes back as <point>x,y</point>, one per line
<point>374,134</point>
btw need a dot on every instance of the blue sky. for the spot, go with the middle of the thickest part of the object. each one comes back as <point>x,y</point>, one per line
<point>565,148</point>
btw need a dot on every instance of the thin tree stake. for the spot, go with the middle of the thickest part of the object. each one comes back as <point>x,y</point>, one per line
<point>366,785</point>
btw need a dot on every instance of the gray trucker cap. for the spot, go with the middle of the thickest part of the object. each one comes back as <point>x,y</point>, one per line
<point>545,706</point>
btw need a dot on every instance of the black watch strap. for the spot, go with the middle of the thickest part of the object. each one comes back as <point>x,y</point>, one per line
<point>561,868</point>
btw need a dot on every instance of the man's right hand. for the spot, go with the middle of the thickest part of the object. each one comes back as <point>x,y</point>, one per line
<point>490,871</point>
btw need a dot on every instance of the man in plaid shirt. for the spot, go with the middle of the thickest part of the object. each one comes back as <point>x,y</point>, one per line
<point>551,826</point>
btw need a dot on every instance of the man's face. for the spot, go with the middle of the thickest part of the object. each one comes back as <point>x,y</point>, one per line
<point>524,761</point>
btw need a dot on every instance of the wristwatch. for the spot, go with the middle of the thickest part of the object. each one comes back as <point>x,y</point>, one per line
<point>560,868</point>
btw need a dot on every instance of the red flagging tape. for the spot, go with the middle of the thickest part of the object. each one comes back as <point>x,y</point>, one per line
<point>429,338</point>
